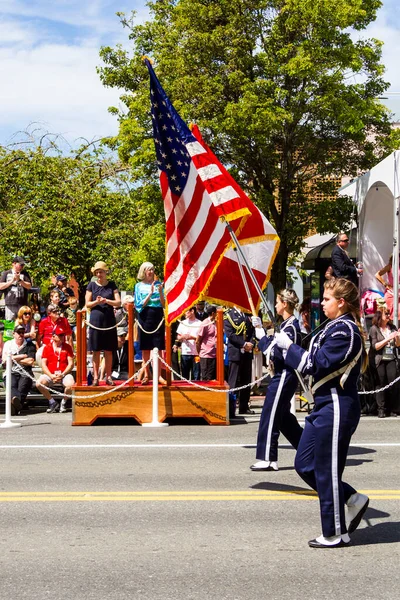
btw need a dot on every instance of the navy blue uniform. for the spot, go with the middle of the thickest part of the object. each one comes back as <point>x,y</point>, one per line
<point>334,362</point>
<point>238,330</point>
<point>276,416</point>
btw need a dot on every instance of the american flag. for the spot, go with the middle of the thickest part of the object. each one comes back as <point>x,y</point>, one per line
<point>199,194</point>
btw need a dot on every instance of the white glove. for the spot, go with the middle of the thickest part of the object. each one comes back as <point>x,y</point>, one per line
<point>260,333</point>
<point>256,322</point>
<point>283,340</point>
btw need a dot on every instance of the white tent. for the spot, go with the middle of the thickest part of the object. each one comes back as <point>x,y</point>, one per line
<point>376,194</point>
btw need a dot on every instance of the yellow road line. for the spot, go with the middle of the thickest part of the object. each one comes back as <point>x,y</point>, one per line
<point>177,496</point>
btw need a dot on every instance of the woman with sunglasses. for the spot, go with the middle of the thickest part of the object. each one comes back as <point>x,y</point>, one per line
<point>384,339</point>
<point>26,319</point>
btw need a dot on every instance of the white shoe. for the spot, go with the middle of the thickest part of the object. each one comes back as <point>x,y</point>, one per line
<point>335,541</point>
<point>264,465</point>
<point>63,408</point>
<point>357,504</point>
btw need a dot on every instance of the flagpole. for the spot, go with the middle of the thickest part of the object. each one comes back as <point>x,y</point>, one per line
<point>252,276</point>
<point>246,285</point>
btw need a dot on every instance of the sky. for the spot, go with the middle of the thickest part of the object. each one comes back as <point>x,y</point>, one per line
<point>49,50</point>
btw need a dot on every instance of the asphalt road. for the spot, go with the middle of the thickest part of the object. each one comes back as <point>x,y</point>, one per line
<point>117,512</point>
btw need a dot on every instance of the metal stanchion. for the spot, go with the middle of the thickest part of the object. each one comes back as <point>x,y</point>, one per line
<point>155,422</point>
<point>8,423</point>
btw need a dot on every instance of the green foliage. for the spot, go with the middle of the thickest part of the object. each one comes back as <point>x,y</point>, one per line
<point>65,212</point>
<point>281,89</point>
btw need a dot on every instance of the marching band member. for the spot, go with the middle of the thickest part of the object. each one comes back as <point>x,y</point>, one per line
<point>334,362</point>
<point>276,416</point>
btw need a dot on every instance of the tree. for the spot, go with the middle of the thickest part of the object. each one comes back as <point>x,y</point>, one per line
<point>65,211</point>
<point>284,91</point>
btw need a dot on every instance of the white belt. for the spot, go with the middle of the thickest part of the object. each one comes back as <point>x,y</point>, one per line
<point>344,371</point>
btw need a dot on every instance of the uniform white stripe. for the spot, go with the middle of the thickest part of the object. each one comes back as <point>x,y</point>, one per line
<point>335,459</point>
<point>272,415</point>
<point>195,148</point>
<point>223,195</point>
<point>209,172</point>
<point>303,361</point>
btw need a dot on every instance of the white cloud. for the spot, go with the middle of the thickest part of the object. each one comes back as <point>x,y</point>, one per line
<point>99,15</point>
<point>57,85</point>
<point>48,69</point>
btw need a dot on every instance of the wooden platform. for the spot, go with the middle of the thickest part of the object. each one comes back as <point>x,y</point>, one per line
<point>179,400</point>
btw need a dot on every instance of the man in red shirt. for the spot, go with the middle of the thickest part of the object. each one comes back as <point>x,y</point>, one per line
<point>46,325</point>
<point>57,364</point>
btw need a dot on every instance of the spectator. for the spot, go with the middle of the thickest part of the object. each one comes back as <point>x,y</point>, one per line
<point>388,285</point>
<point>23,353</point>
<point>149,305</point>
<point>1,338</point>
<point>102,296</point>
<point>305,315</point>
<point>342,264</point>
<point>25,319</point>
<point>55,298</point>
<point>384,337</point>
<point>37,308</point>
<point>175,364</point>
<point>64,291</point>
<point>121,314</point>
<point>206,343</point>
<point>15,283</point>
<point>57,364</point>
<point>46,325</point>
<point>240,334</point>
<point>201,313</point>
<point>70,312</point>
<point>187,333</point>
<point>120,367</point>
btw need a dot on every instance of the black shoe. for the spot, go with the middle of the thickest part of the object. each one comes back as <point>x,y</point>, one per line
<point>393,414</point>
<point>246,411</point>
<point>316,544</point>
<point>381,413</point>
<point>15,406</point>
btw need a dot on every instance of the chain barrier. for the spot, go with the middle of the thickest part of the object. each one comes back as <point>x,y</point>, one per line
<point>389,385</point>
<point>208,389</point>
<point>89,324</point>
<point>150,332</point>
<point>21,370</point>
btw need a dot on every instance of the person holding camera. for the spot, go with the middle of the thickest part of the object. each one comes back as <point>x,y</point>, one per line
<point>15,283</point>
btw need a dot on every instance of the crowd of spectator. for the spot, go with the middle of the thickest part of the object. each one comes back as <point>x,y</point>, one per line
<point>45,335</point>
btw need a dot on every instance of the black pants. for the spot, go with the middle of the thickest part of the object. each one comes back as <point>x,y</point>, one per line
<point>20,386</point>
<point>208,369</point>
<point>387,372</point>
<point>240,374</point>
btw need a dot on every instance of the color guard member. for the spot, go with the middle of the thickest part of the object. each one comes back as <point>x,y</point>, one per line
<point>276,416</point>
<point>334,362</point>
